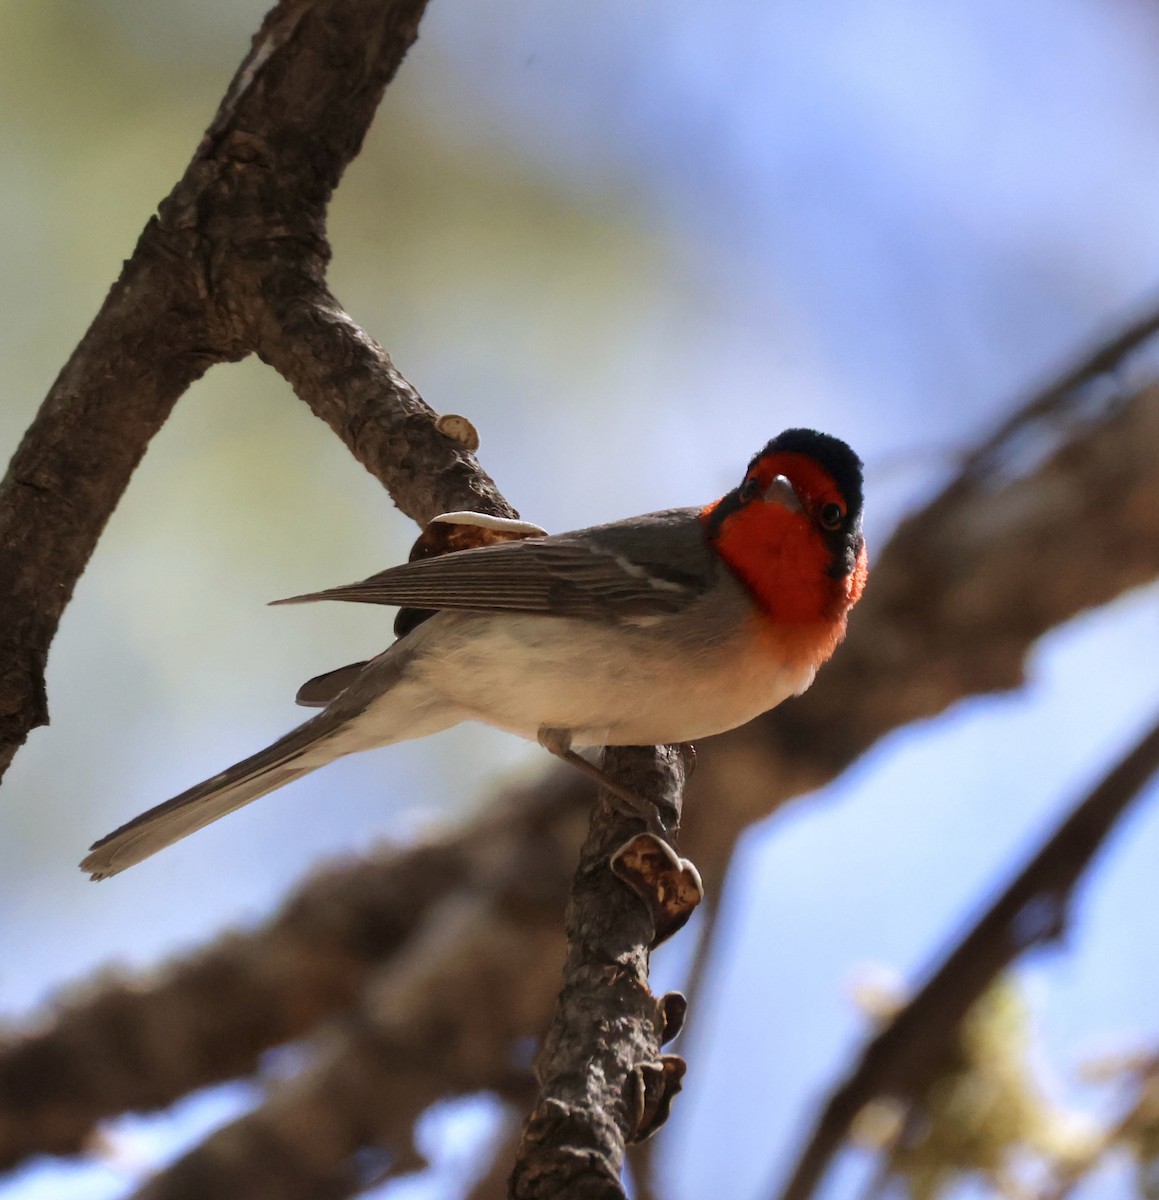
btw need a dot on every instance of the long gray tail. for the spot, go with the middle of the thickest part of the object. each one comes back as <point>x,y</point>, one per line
<point>302,750</point>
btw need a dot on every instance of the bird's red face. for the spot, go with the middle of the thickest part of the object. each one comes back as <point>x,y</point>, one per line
<point>792,531</point>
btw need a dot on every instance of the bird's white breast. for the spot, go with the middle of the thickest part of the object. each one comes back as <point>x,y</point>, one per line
<point>686,676</point>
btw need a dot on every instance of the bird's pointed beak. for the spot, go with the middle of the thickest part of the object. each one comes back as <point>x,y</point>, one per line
<point>780,491</point>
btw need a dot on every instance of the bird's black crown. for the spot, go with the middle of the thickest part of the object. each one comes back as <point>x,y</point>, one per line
<point>833,454</point>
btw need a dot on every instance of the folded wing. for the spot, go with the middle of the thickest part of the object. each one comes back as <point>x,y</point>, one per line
<point>647,566</point>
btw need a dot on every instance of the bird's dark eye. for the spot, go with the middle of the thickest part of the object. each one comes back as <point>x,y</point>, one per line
<point>750,488</point>
<point>831,516</point>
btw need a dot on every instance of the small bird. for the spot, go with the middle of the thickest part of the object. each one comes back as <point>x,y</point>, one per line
<point>662,628</point>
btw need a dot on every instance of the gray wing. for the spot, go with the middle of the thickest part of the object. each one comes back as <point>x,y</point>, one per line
<point>647,566</point>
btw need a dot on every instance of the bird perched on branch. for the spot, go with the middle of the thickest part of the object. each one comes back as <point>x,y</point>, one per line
<point>661,628</point>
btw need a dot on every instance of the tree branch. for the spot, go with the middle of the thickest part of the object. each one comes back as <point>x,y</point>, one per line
<point>602,1080</point>
<point>138,1044</point>
<point>247,216</point>
<point>902,1059</point>
<point>234,263</point>
<point>1052,405</point>
<point>439,1020</point>
<point>921,625</point>
<point>349,382</point>
<point>443,1015</point>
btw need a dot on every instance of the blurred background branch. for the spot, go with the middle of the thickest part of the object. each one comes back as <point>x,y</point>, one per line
<point>904,1058</point>
<point>692,231</point>
<point>139,1044</point>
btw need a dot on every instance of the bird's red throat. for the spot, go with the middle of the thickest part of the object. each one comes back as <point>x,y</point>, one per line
<point>784,562</point>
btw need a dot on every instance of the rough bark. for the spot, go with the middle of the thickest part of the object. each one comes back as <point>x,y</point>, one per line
<point>932,657</point>
<point>430,1024</point>
<point>600,1069</point>
<point>135,1044</point>
<point>232,264</point>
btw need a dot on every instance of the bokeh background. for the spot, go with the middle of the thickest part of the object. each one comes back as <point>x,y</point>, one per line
<point>631,242</point>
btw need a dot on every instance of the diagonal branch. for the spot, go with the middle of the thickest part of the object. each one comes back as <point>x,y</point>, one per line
<point>137,1044</point>
<point>1052,404</point>
<point>234,263</point>
<point>247,214</point>
<point>438,1020</point>
<point>445,1012</point>
<point>349,382</point>
<point>902,1059</point>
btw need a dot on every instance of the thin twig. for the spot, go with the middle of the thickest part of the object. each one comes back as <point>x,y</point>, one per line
<point>1142,1108</point>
